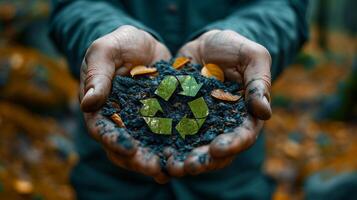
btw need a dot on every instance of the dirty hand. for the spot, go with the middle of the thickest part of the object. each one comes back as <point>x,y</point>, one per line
<point>243,61</point>
<point>115,54</point>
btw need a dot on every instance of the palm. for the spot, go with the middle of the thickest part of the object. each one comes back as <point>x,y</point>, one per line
<point>115,54</point>
<point>245,62</point>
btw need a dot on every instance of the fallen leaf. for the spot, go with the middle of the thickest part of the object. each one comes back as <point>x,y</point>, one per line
<point>225,96</point>
<point>141,69</point>
<point>117,119</point>
<point>180,62</point>
<point>212,70</point>
<point>23,186</point>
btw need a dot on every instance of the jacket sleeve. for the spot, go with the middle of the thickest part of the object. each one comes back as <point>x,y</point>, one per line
<point>278,25</point>
<point>75,24</point>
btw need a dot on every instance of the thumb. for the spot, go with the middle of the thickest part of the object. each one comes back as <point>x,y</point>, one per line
<point>257,84</point>
<point>191,51</point>
<point>97,73</point>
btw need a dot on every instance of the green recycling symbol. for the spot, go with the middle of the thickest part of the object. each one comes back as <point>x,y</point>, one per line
<point>186,126</point>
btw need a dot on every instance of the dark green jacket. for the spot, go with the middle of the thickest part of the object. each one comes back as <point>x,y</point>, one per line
<point>279,25</point>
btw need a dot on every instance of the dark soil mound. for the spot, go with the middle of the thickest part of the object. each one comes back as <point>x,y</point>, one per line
<point>223,116</point>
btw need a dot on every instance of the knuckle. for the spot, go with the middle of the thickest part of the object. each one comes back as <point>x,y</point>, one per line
<point>262,52</point>
<point>104,45</point>
<point>99,44</point>
<point>228,32</point>
<point>127,28</point>
<point>228,35</point>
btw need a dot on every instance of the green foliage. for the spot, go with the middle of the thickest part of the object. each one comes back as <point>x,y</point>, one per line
<point>159,125</point>
<point>187,126</point>
<point>200,122</point>
<point>189,85</point>
<point>150,107</point>
<point>199,108</point>
<point>167,87</point>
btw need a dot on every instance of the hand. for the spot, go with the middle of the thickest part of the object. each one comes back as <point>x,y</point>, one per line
<point>115,54</point>
<point>243,61</point>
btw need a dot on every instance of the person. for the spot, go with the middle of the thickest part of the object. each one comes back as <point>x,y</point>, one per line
<point>252,41</point>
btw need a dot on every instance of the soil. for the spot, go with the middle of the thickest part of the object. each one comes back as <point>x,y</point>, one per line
<point>223,116</point>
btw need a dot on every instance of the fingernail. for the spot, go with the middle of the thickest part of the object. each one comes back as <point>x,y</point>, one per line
<point>85,101</point>
<point>267,96</point>
<point>89,92</point>
<point>268,112</point>
<point>265,100</point>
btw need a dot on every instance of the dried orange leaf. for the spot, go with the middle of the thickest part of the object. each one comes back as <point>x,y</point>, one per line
<point>180,62</point>
<point>212,70</point>
<point>141,69</point>
<point>117,119</point>
<point>23,186</point>
<point>154,74</point>
<point>225,96</point>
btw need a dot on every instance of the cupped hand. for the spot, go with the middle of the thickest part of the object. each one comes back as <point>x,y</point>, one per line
<point>115,54</point>
<point>245,62</point>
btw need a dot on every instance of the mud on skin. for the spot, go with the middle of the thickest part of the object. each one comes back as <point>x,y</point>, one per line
<point>127,92</point>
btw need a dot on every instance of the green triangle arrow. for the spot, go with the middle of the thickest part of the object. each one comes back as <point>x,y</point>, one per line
<point>187,126</point>
<point>200,122</point>
<point>199,108</point>
<point>189,85</point>
<point>150,107</point>
<point>167,87</point>
<point>159,125</point>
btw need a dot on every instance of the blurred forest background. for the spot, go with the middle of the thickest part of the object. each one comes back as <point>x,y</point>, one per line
<point>311,138</point>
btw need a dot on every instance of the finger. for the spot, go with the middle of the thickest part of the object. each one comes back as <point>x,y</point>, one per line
<point>195,49</point>
<point>200,160</point>
<point>144,161</point>
<point>175,166</point>
<point>168,151</point>
<point>160,53</point>
<point>98,70</point>
<point>257,81</point>
<point>229,144</point>
<point>162,178</point>
<point>191,51</point>
<point>113,138</point>
<point>119,160</point>
<point>197,159</point>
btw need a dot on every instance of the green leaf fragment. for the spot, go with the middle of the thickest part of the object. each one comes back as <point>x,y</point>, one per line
<point>189,85</point>
<point>167,87</point>
<point>199,108</point>
<point>150,107</point>
<point>159,125</point>
<point>187,126</point>
<point>200,122</point>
